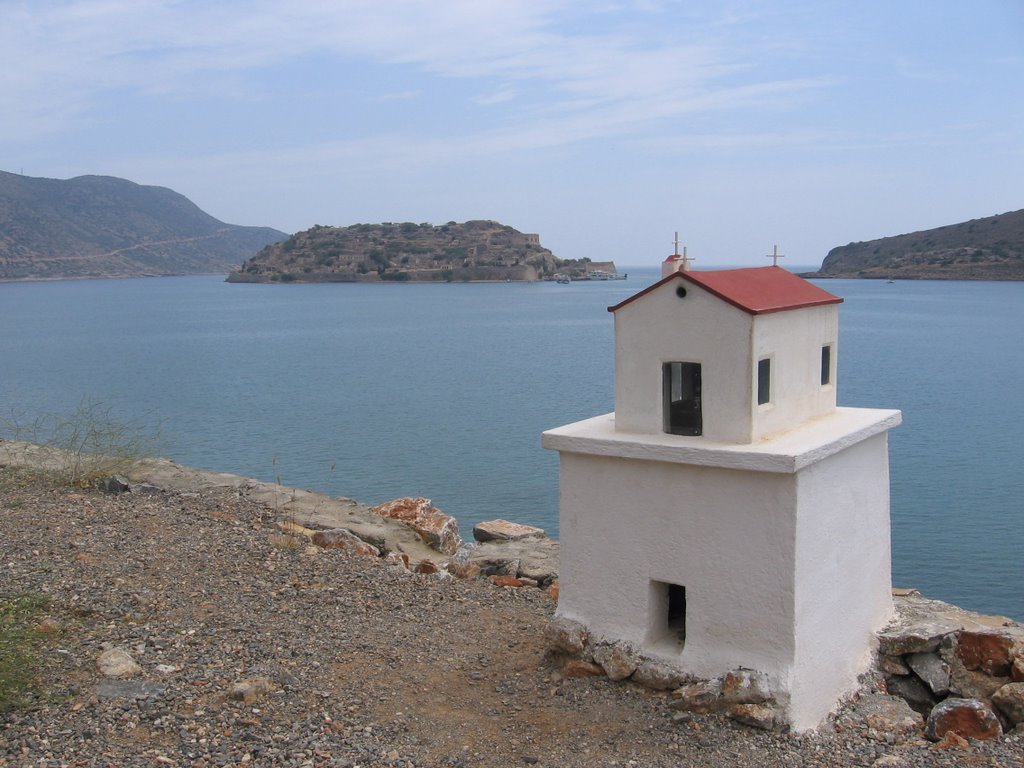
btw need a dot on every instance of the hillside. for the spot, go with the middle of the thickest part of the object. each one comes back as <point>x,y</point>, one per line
<point>100,226</point>
<point>474,250</point>
<point>981,249</point>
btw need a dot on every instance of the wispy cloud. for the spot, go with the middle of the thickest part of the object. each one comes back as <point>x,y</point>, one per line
<point>61,59</point>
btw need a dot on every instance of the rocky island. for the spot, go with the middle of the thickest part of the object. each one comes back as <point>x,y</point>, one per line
<point>406,252</point>
<point>980,249</point>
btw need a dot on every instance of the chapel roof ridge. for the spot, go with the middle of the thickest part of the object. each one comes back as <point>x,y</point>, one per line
<point>755,290</point>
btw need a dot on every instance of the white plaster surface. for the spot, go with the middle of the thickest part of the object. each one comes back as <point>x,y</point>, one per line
<point>794,340</point>
<point>786,452</point>
<point>661,327</point>
<point>723,535</point>
<point>782,546</point>
<point>843,574</point>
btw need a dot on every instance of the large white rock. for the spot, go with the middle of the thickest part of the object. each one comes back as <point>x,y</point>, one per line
<point>118,663</point>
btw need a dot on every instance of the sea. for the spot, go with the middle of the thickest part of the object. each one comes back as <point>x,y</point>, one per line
<point>442,390</point>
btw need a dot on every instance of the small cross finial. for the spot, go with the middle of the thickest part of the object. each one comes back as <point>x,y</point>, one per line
<point>686,260</point>
<point>677,262</point>
<point>775,256</point>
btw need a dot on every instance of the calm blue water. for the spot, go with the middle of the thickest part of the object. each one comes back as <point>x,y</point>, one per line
<point>443,391</point>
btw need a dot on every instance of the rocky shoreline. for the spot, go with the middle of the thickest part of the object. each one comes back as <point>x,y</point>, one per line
<point>192,621</point>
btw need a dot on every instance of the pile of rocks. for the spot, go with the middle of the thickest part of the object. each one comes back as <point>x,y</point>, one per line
<point>509,554</point>
<point>407,532</point>
<point>963,672</point>
<point>940,670</point>
<point>742,694</point>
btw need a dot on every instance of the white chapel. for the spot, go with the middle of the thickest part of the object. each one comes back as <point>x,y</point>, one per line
<point>728,515</point>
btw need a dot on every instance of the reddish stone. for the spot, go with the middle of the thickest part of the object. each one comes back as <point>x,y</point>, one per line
<point>250,690</point>
<point>969,718</point>
<point>754,715</point>
<point>48,626</point>
<point>553,591</point>
<point>427,566</point>
<point>988,652</point>
<point>469,571</point>
<point>578,668</point>
<point>506,581</point>
<point>397,558</point>
<point>619,660</point>
<point>745,686</point>
<point>437,529</point>
<point>888,714</point>
<point>952,740</point>
<point>1017,672</point>
<point>702,697</point>
<point>460,566</point>
<point>657,675</point>
<point>342,538</point>
<point>567,636</point>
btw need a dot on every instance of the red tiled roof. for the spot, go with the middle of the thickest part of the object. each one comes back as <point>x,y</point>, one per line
<point>757,290</point>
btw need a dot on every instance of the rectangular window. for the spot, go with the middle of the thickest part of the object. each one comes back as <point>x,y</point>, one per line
<point>826,364</point>
<point>669,621</point>
<point>681,388</point>
<point>764,381</point>
<point>677,612</point>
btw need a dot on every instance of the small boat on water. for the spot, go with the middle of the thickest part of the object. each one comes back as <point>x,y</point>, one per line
<point>601,274</point>
<point>562,279</point>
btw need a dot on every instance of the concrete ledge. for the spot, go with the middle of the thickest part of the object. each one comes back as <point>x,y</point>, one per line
<point>785,453</point>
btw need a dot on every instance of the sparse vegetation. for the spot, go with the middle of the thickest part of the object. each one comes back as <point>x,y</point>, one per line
<point>81,447</point>
<point>19,639</point>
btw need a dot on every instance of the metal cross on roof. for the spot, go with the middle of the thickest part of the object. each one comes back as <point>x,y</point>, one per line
<point>775,256</point>
<point>685,266</point>
<point>686,260</point>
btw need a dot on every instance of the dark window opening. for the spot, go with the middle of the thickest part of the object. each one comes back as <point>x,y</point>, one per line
<point>681,385</point>
<point>677,612</point>
<point>826,364</point>
<point>764,381</point>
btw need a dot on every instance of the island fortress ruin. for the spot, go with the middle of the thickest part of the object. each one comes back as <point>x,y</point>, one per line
<point>728,525</point>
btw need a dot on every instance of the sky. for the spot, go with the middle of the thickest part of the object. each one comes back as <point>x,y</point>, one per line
<point>603,125</point>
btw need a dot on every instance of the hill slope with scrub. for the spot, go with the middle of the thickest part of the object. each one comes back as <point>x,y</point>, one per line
<point>980,249</point>
<point>101,226</point>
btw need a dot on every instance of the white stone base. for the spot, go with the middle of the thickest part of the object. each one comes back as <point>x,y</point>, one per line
<point>782,548</point>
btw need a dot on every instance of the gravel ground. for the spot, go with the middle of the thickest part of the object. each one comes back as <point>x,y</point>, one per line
<point>354,663</point>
